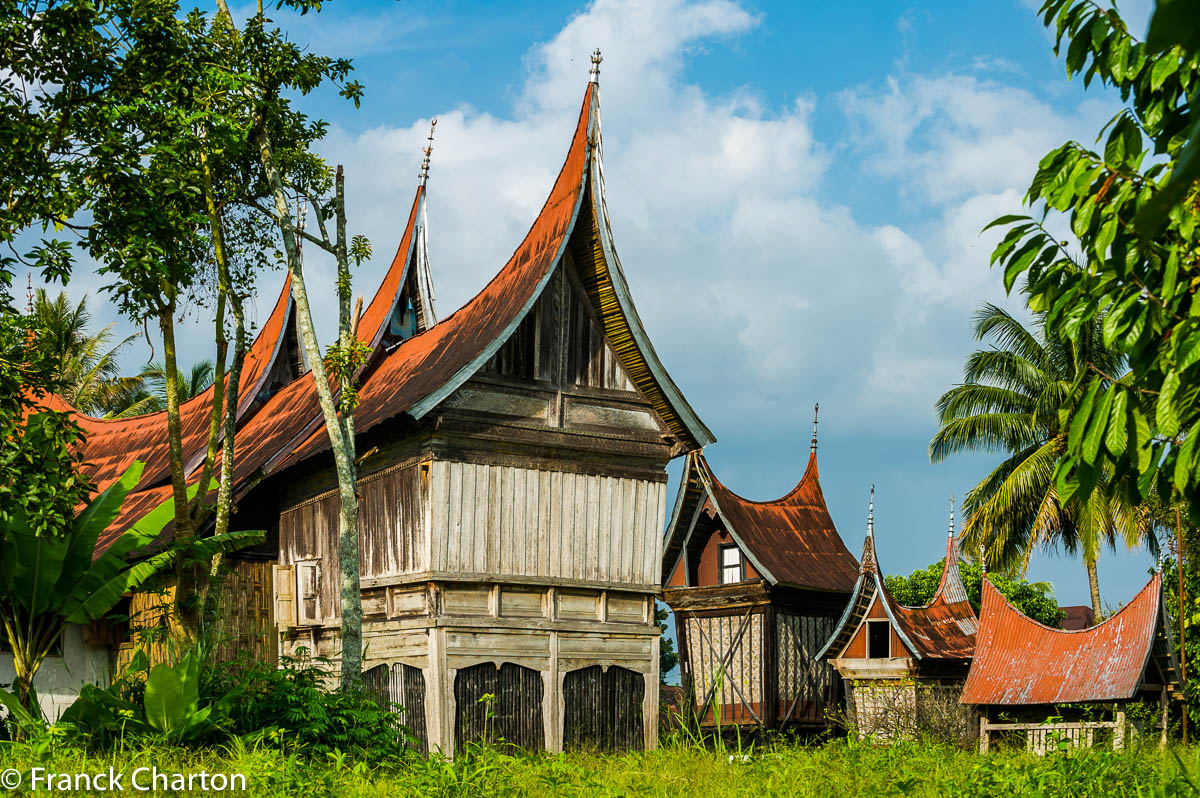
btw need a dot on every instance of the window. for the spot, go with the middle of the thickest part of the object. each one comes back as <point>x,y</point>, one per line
<point>879,639</point>
<point>732,567</point>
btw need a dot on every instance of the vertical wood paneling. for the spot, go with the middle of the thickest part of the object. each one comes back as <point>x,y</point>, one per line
<point>511,521</point>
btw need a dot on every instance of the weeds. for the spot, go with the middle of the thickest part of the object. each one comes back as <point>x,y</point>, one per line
<point>679,768</point>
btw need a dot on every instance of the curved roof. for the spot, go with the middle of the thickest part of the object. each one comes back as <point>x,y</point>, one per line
<point>944,628</point>
<point>791,540</point>
<point>1019,661</point>
<point>112,445</point>
<point>420,372</point>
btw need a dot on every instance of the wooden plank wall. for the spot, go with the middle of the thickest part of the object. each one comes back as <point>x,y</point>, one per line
<point>511,521</point>
<point>393,535</point>
<point>602,709</point>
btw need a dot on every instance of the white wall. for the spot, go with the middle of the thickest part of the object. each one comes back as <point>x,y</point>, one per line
<point>59,679</point>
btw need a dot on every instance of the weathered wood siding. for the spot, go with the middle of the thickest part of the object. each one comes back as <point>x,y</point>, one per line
<point>393,539</point>
<point>513,714</point>
<point>602,709</point>
<point>510,521</point>
<point>403,685</point>
<point>725,656</point>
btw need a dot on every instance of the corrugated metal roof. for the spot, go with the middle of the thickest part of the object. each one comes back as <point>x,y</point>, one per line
<point>790,540</point>
<point>1019,661</point>
<point>423,370</point>
<point>112,445</point>
<point>945,628</point>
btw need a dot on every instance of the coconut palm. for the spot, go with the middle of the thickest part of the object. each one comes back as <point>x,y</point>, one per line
<point>88,363</point>
<point>1010,402</point>
<point>191,383</point>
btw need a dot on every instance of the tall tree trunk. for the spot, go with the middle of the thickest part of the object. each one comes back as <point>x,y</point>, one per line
<point>340,443</point>
<point>183,619</point>
<point>1094,585</point>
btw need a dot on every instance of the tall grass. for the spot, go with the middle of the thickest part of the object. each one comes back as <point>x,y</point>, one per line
<point>678,768</point>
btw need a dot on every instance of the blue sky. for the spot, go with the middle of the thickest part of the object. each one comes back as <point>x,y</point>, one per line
<point>796,191</point>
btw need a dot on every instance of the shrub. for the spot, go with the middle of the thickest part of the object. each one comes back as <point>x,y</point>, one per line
<point>297,707</point>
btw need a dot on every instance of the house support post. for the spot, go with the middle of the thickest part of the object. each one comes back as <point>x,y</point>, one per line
<point>983,732</point>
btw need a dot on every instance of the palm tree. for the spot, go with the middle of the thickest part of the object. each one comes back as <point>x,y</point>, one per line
<point>191,383</point>
<point>88,363</point>
<point>1010,402</point>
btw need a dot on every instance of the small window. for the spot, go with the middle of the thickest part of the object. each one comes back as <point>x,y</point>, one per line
<point>732,565</point>
<point>879,639</point>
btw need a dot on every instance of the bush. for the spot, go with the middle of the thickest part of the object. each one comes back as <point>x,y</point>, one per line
<point>1034,599</point>
<point>297,707</point>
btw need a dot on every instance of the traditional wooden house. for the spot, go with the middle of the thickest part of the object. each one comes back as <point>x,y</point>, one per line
<point>512,463</point>
<point>903,666</point>
<point>512,483</point>
<point>756,588</point>
<point>1077,686</point>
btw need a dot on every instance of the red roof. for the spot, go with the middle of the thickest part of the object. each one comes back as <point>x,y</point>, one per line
<point>112,445</point>
<point>1019,661</point>
<point>421,365</point>
<point>945,628</point>
<point>791,540</point>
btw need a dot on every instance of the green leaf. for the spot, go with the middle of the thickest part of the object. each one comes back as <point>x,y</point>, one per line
<point>1080,418</point>
<point>1185,458</point>
<point>1166,413</point>
<point>1188,352</point>
<point>1114,441</point>
<point>1139,438</point>
<point>1104,239</point>
<point>1097,424</point>
<point>164,699</point>
<point>1164,67</point>
<point>1021,260</point>
<point>1008,219</point>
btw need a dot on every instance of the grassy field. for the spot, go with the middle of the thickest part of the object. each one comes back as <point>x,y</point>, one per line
<point>834,769</point>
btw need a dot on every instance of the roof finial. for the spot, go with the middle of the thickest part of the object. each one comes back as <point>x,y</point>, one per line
<point>1158,568</point>
<point>424,175</point>
<point>951,532</point>
<point>594,75</point>
<point>983,557</point>
<point>871,515</point>
<point>29,293</point>
<point>816,410</point>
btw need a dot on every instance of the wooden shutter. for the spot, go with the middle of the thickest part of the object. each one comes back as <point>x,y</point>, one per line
<point>308,593</point>
<point>283,578</point>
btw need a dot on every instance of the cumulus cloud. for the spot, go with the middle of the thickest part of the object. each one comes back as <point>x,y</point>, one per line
<point>761,291</point>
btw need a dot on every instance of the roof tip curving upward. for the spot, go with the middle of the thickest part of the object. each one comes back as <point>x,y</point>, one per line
<point>1019,661</point>
<point>791,541</point>
<point>943,628</point>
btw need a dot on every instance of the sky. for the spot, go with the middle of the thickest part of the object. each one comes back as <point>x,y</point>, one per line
<point>796,191</point>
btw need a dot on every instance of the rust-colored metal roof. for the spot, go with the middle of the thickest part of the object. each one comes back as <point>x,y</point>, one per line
<point>112,445</point>
<point>423,364</point>
<point>1019,661</point>
<point>945,628</point>
<point>374,321</point>
<point>791,540</point>
<point>1077,617</point>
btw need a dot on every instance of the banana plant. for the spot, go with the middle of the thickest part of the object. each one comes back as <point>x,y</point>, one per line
<point>49,581</point>
<point>169,709</point>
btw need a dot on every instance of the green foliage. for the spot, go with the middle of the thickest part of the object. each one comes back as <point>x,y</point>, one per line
<point>1133,204</point>
<point>167,707</point>
<point>51,578</point>
<point>295,707</point>
<point>1034,599</point>
<point>840,768</point>
<point>667,656</point>
<point>1015,399</point>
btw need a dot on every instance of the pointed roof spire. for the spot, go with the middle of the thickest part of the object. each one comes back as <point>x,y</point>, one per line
<point>594,75</point>
<point>950,534</point>
<point>428,150</point>
<point>29,293</point>
<point>871,515</point>
<point>816,410</point>
<point>868,562</point>
<point>983,557</point>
